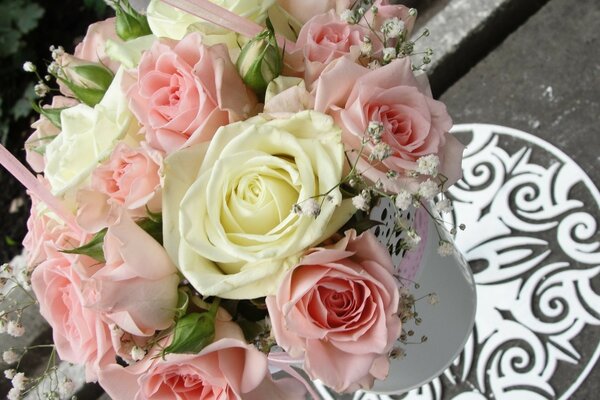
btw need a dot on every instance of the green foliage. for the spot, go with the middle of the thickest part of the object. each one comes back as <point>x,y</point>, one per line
<point>93,248</point>
<point>194,332</point>
<point>97,6</point>
<point>17,18</point>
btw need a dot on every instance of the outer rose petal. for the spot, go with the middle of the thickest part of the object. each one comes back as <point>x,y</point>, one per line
<point>337,308</point>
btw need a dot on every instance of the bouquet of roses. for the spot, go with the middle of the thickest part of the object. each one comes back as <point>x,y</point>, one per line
<point>200,216</point>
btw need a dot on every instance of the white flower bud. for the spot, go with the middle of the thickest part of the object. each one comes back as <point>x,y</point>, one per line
<point>10,357</point>
<point>137,353</point>
<point>403,200</point>
<point>445,248</point>
<point>15,329</point>
<point>28,66</point>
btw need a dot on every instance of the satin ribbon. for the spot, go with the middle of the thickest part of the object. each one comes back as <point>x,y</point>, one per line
<point>36,188</point>
<point>284,362</point>
<point>226,19</point>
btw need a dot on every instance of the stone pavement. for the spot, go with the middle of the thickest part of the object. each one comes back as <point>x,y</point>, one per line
<point>545,79</point>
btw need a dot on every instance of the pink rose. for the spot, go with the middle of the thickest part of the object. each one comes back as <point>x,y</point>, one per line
<point>137,287</point>
<point>415,124</point>
<point>44,132</point>
<point>185,91</point>
<point>386,11</point>
<point>80,334</point>
<point>322,40</point>
<point>129,178</point>
<point>338,308</point>
<point>128,182</point>
<point>47,233</point>
<point>93,46</point>
<point>306,9</point>
<point>228,368</point>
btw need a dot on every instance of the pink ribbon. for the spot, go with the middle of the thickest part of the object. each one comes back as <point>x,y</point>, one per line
<point>285,362</point>
<point>27,179</point>
<point>226,19</point>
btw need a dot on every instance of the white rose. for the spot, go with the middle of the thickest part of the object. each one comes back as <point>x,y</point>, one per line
<point>227,205</point>
<point>88,136</point>
<point>168,21</point>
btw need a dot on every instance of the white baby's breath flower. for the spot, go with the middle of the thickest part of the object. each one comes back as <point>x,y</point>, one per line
<point>428,189</point>
<point>428,165</point>
<point>10,373</point>
<point>137,353</point>
<point>311,208</point>
<point>66,387</point>
<point>362,201</point>
<point>348,16</point>
<point>366,47</point>
<point>375,130</point>
<point>41,89</point>
<point>393,27</point>
<point>13,394</point>
<point>374,64</point>
<point>15,329</point>
<point>412,239</point>
<point>380,152</point>
<point>403,200</point>
<point>19,381</point>
<point>57,52</point>
<point>10,357</point>
<point>433,299</point>
<point>53,68</point>
<point>445,248</point>
<point>443,206</point>
<point>28,66</point>
<point>389,53</point>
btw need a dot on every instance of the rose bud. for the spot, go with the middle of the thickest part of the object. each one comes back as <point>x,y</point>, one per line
<point>260,61</point>
<point>130,23</point>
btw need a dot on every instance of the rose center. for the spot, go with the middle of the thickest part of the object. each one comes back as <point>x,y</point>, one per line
<point>259,202</point>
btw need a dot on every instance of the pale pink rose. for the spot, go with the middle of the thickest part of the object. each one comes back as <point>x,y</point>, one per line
<point>93,46</point>
<point>44,132</point>
<point>338,308</point>
<point>415,124</point>
<point>128,182</point>
<point>80,334</point>
<point>137,287</point>
<point>229,368</point>
<point>322,40</point>
<point>46,234</point>
<point>185,91</point>
<point>386,11</point>
<point>306,9</point>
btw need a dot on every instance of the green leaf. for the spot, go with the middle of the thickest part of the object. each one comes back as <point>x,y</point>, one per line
<point>93,248</point>
<point>53,114</point>
<point>153,227</point>
<point>96,73</point>
<point>29,17</point>
<point>88,96</point>
<point>193,332</point>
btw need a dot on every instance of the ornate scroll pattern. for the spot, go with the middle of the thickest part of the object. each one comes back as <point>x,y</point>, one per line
<point>532,240</point>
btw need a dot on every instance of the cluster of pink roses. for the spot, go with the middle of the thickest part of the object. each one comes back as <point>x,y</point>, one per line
<point>188,127</point>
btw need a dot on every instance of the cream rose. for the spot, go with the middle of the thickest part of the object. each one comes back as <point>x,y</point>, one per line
<point>88,136</point>
<point>168,21</point>
<point>227,205</point>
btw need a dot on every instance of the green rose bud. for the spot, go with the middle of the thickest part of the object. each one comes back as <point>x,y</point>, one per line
<point>130,24</point>
<point>260,61</point>
<point>88,82</point>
